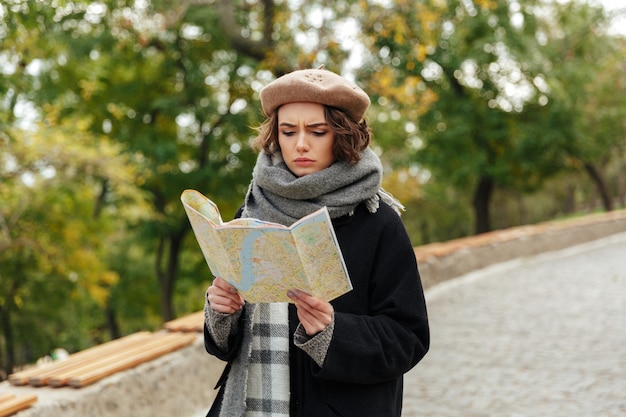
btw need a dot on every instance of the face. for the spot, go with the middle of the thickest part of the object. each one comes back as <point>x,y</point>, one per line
<point>305,139</point>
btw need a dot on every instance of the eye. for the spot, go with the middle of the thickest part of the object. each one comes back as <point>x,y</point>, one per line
<point>320,132</point>
<point>288,133</point>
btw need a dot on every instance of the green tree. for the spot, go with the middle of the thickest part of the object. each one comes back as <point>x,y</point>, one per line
<point>494,118</point>
<point>163,85</point>
<point>585,67</point>
<point>54,236</point>
<point>174,85</point>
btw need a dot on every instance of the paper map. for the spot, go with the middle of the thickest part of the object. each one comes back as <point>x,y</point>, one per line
<point>263,260</point>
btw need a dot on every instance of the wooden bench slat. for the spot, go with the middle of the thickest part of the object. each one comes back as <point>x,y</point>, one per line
<point>6,397</point>
<point>193,322</point>
<point>23,377</point>
<point>61,378</point>
<point>114,359</point>
<point>12,404</point>
<point>84,367</point>
<point>158,348</point>
<point>87,356</point>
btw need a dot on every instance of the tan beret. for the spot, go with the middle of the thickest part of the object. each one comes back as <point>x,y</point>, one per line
<point>316,86</point>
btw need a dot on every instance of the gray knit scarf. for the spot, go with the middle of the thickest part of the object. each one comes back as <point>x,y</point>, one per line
<point>277,195</point>
<point>258,381</point>
<point>259,378</point>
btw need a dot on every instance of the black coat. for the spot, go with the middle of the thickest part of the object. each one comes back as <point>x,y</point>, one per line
<point>381,326</point>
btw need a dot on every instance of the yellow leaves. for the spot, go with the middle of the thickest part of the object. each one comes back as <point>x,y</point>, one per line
<point>88,88</point>
<point>116,111</point>
<point>406,90</point>
<point>91,274</point>
<point>487,4</point>
<point>18,301</point>
<point>427,98</point>
<point>421,51</point>
<point>405,186</point>
<point>48,229</point>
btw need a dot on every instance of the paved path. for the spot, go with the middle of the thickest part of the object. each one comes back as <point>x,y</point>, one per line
<point>537,337</point>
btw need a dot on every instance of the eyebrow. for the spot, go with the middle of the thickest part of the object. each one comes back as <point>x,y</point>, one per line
<point>312,125</point>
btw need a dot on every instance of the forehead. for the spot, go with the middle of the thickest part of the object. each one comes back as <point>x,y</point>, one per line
<point>307,112</point>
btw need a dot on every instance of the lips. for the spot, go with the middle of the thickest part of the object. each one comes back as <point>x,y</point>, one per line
<point>303,161</point>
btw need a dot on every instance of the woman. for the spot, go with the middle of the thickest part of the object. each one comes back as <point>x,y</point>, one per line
<point>346,357</point>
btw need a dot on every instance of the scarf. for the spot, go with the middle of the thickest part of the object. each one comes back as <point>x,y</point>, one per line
<point>277,195</point>
<point>258,380</point>
<point>259,377</point>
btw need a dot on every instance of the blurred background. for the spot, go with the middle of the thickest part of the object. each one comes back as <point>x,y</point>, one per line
<point>487,114</point>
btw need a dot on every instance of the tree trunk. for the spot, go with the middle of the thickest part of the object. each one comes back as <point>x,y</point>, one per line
<point>569,202</point>
<point>482,197</point>
<point>9,343</point>
<point>167,273</point>
<point>114,328</point>
<point>603,190</point>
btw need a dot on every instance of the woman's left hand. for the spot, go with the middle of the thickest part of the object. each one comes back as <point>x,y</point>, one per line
<point>314,314</point>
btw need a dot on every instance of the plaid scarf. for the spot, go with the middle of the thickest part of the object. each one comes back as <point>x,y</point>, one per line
<point>268,371</point>
<point>258,381</point>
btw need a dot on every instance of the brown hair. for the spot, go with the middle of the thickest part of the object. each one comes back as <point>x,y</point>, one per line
<point>350,137</point>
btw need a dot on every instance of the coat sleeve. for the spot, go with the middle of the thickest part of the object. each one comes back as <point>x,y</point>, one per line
<point>222,333</point>
<point>381,327</point>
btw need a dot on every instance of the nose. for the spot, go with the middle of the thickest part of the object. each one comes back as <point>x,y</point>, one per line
<point>302,145</point>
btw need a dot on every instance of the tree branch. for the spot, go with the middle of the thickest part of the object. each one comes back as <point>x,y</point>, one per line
<point>232,29</point>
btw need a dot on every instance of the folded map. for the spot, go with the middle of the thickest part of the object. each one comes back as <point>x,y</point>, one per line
<point>264,260</point>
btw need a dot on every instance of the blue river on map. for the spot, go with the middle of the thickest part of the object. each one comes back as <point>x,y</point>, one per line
<point>247,253</point>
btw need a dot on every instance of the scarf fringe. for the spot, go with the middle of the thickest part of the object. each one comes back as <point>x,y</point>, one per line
<point>373,202</point>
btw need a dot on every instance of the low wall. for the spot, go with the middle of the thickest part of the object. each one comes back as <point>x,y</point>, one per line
<point>181,383</point>
<point>439,262</point>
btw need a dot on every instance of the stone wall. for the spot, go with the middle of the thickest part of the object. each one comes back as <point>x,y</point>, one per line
<point>181,383</point>
<point>440,262</point>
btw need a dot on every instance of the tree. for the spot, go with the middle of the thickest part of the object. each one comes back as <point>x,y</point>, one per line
<point>494,121</point>
<point>582,54</point>
<point>173,86</point>
<point>167,104</point>
<point>54,235</point>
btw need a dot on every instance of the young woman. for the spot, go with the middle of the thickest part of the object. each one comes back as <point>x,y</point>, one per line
<point>313,358</point>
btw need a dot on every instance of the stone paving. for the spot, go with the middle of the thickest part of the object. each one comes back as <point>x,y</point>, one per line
<point>543,336</point>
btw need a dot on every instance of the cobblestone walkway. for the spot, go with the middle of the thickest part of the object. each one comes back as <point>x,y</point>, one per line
<point>542,337</point>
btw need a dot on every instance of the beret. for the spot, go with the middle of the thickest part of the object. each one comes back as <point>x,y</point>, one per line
<point>315,86</point>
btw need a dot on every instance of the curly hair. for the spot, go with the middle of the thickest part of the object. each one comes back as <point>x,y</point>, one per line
<point>350,137</point>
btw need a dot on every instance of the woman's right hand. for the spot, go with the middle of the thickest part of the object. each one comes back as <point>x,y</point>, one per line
<point>223,297</point>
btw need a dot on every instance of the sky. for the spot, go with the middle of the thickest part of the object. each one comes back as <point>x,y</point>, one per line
<point>619,26</point>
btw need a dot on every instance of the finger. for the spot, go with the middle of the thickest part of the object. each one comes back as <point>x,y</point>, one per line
<point>312,325</point>
<point>321,319</point>
<point>222,297</point>
<point>227,290</point>
<point>312,304</point>
<point>221,283</point>
<point>224,304</point>
<point>314,314</point>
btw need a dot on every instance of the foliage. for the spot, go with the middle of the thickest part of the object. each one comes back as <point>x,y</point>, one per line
<point>110,109</point>
<point>496,109</point>
<point>55,233</point>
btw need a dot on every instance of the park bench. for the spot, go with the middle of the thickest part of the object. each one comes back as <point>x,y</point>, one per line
<point>93,364</point>
<point>11,404</point>
<point>193,322</point>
